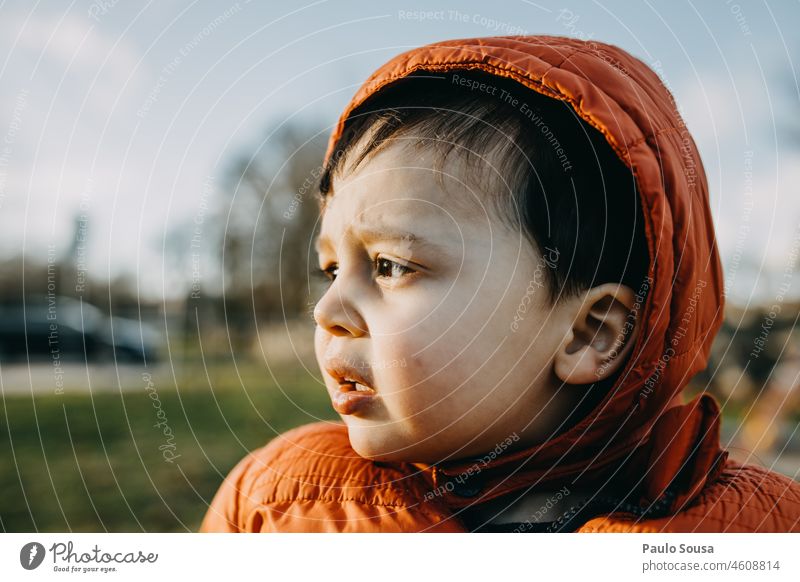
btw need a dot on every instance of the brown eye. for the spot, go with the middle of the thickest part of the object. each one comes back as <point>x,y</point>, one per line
<point>329,273</point>
<point>390,269</point>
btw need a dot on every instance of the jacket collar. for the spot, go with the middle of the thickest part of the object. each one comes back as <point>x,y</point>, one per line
<point>678,459</point>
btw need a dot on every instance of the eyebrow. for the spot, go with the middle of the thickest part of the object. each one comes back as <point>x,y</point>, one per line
<point>371,234</point>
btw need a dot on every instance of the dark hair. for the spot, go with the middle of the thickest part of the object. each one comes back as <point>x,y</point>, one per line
<point>563,186</point>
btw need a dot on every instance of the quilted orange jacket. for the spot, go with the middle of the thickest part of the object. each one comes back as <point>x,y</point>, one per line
<point>643,438</point>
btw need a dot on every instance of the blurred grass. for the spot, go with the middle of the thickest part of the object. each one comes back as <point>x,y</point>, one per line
<point>91,462</point>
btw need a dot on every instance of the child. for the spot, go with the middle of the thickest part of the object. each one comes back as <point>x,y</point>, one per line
<point>523,278</point>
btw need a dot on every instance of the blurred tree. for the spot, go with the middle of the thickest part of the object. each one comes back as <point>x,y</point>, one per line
<point>267,226</point>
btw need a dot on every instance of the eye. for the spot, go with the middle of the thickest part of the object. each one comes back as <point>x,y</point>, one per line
<point>384,268</point>
<point>328,273</point>
<point>390,269</point>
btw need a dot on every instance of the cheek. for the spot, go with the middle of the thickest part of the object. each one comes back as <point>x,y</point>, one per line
<point>424,375</point>
<point>501,348</point>
<point>443,345</point>
<point>321,341</point>
<point>455,344</point>
<point>408,368</point>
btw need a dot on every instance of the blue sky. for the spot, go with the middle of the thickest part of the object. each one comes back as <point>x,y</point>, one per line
<point>130,112</point>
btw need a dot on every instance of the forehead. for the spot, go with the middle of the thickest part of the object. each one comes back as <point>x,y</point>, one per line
<point>403,192</point>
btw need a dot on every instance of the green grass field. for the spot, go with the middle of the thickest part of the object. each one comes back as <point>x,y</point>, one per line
<point>95,462</point>
<point>91,462</point>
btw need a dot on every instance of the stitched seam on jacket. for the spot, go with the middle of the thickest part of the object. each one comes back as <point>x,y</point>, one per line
<point>646,136</point>
<point>417,508</point>
<point>270,499</point>
<point>432,517</point>
<point>301,476</point>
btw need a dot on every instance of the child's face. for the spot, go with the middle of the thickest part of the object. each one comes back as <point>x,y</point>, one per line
<point>448,323</point>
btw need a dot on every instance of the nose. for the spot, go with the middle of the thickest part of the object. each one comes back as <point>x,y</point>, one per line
<point>336,313</point>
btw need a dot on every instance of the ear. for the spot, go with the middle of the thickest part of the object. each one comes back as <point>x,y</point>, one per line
<point>603,330</point>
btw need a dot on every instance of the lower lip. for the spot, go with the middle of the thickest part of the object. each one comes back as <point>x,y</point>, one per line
<point>347,400</point>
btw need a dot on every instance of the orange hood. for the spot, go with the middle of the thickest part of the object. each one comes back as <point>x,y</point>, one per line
<point>641,435</point>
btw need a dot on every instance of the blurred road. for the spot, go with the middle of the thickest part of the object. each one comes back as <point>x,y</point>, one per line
<point>71,378</point>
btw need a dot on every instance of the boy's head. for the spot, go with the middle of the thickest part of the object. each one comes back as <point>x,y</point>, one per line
<point>487,255</point>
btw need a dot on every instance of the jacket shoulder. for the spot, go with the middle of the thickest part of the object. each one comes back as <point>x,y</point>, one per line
<point>744,499</point>
<point>310,479</point>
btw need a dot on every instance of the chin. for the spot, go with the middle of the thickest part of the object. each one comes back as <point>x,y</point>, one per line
<point>377,443</point>
<point>371,442</point>
<point>380,443</point>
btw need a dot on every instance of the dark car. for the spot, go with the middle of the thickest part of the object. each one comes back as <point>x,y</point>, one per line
<point>73,330</point>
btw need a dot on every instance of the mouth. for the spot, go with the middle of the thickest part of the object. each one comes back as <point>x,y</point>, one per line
<point>352,398</point>
<point>354,392</point>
